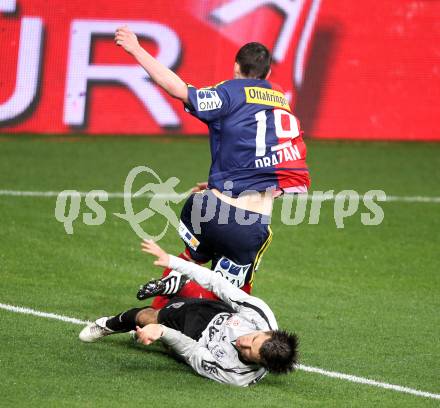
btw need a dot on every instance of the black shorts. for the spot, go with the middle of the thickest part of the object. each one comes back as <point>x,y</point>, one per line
<point>191,316</point>
<point>211,232</point>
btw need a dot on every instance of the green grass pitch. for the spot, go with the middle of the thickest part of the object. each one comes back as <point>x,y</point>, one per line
<point>364,300</point>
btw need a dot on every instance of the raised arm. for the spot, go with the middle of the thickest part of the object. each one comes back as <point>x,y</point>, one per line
<point>203,276</point>
<point>159,73</point>
<point>214,282</point>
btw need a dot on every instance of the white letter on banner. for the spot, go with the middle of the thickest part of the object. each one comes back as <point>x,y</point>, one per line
<point>28,67</point>
<point>80,71</point>
<point>234,10</point>
<point>8,6</point>
<point>291,9</point>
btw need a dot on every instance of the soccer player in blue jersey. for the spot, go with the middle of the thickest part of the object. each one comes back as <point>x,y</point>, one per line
<point>257,154</point>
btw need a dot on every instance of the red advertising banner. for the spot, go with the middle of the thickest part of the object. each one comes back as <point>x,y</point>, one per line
<point>354,70</point>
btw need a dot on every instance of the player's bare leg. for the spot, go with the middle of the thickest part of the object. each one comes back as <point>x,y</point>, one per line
<point>147,316</point>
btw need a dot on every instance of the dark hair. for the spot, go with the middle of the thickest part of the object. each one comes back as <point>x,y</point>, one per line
<point>279,353</point>
<point>254,60</point>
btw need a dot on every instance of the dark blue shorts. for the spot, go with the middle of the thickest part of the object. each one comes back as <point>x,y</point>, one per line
<point>232,238</point>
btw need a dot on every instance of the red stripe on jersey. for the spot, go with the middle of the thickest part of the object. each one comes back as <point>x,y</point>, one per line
<point>294,178</point>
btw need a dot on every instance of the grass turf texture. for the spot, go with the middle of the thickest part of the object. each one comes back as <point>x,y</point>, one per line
<point>364,300</point>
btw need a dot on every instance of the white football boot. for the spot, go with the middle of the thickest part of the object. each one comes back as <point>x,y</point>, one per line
<point>95,331</point>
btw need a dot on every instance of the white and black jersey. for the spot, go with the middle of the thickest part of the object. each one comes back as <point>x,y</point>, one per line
<point>214,355</point>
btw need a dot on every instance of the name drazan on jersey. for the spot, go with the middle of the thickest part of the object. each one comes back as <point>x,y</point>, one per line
<point>208,100</point>
<point>289,153</point>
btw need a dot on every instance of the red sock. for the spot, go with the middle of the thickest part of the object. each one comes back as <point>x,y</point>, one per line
<point>194,290</point>
<point>190,289</point>
<point>247,288</point>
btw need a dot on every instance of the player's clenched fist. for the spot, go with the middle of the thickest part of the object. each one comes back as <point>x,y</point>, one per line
<point>127,39</point>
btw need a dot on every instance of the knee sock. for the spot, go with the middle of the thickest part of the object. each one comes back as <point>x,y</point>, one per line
<point>194,290</point>
<point>125,321</point>
<point>189,290</point>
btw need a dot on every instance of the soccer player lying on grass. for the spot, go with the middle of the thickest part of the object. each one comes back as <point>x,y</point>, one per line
<point>234,341</point>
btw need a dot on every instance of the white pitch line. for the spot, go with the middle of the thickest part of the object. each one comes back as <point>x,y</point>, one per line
<point>28,311</point>
<point>15,193</point>
<point>332,374</point>
<point>320,197</point>
<point>362,380</point>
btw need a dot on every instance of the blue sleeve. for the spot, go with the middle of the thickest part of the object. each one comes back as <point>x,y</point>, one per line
<point>208,104</point>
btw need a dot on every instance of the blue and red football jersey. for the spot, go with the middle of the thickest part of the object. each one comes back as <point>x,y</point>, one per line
<point>255,140</point>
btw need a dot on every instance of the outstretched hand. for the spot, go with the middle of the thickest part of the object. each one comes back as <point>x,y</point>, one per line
<point>150,247</point>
